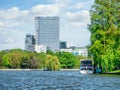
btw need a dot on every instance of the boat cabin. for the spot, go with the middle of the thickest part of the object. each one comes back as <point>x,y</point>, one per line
<point>84,63</point>
<point>86,67</point>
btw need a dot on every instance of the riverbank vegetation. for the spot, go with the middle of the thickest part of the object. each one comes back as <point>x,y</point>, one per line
<point>105,34</point>
<point>21,59</point>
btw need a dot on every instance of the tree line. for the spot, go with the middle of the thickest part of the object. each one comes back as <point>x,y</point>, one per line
<point>105,34</point>
<point>22,59</point>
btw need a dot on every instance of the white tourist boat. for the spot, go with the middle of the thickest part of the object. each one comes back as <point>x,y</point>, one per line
<point>86,67</point>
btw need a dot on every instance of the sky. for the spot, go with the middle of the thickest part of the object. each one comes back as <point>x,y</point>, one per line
<point>17,18</point>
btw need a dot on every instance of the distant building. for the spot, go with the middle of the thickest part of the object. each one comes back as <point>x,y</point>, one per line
<point>73,47</point>
<point>47,32</point>
<point>80,51</point>
<point>63,45</point>
<point>40,48</point>
<point>76,50</point>
<point>29,42</point>
<point>66,50</point>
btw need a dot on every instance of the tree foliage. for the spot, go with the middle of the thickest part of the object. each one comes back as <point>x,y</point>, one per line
<point>17,58</point>
<point>67,60</point>
<point>52,62</point>
<point>105,34</point>
<point>2,53</point>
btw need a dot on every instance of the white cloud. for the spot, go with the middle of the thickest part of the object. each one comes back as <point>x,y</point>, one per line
<point>5,37</point>
<point>82,5</point>
<point>13,13</point>
<point>9,24</point>
<point>2,24</point>
<point>13,17</point>
<point>62,3</point>
<point>78,6</point>
<point>13,23</point>
<point>10,13</point>
<point>6,40</point>
<point>78,19</point>
<point>9,40</point>
<point>24,13</point>
<point>47,10</point>
<point>40,9</point>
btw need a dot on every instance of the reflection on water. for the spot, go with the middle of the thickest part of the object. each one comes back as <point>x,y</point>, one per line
<point>57,80</point>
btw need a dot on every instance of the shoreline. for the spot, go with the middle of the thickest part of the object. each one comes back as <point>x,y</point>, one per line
<point>69,69</point>
<point>116,73</point>
<point>20,69</point>
<point>36,70</point>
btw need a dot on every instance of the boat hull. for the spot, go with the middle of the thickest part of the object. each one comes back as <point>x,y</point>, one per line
<point>86,72</point>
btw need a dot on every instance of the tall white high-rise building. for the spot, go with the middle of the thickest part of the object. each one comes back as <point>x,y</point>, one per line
<point>47,32</point>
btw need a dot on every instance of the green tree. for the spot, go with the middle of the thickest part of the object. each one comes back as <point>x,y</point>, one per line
<point>52,63</point>
<point>30,60</point>
<point>12,58</point>
<point>50,52</point>
<point>67,60</point>
<point>17,58</point>
<point>2,53</point>
<point>34,61</point>
<point>25,60</point>
<point>41,57</point>
<point>105,34</point>
<point>78,58</point>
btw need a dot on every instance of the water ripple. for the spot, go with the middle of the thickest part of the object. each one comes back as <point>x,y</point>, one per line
<point>56,80</point>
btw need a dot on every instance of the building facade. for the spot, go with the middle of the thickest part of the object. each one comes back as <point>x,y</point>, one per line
<point>63,45</point>
<point>47,32</point>
<point>29,42</point>
<point>80,51</point>
<point>40,48</point>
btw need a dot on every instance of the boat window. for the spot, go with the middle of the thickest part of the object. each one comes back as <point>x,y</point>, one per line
<point>89,68</point>
<point>86,63</point>
<point>83,68</point>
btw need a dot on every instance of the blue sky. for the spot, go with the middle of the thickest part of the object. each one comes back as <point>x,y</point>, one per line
<point>17,19</point>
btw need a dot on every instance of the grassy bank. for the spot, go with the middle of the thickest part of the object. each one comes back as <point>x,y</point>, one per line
<point>114,72</point>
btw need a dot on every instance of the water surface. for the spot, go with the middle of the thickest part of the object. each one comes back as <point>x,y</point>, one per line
<point>57,80</point>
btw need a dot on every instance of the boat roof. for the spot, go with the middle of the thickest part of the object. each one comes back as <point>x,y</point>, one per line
<point>86,60</point>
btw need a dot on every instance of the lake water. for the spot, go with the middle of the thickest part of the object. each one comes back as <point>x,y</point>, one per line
<point>57,80</point>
